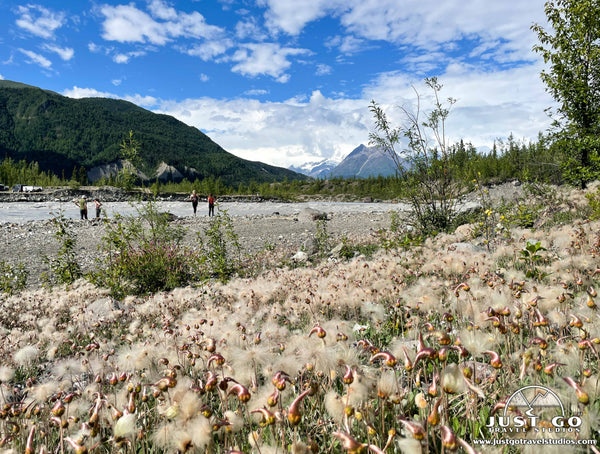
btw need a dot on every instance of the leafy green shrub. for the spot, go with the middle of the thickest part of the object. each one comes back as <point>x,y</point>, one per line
<point>156,266</point>
<point>13,278</point>
<point>322,237</point>
<point>594,204</point>
<point>531,257</point>
<point>396,237</point>
<point>143,254</point>
<point>221,247</point>
<point>64,268</point>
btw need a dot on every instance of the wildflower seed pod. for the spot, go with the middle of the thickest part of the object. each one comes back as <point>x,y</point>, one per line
<point>79,449</point>
<point>348,377</point>
<point>590,302</point>
<point>320,332</point>
<point>495,361</point>
<point>294,416</point>
<point>388,358</point>
<point>116,413</point>
<point>432,390</point>
<point>58,409</point>
<point>348,443</point>
<point>131,403</point>
<point>273,399</point>
<point>549,369</point>
<point>420,401</point>
<point>29,445</point>
<point>449,440</point>
<point>217,358</point>
<point>415,429</point>
<point>582,396</point>
<point>268,418</point>
<point>206,411</point>
<point>242,393</point>
<point>341,337</point>
<point>541,343</point>
<point>434,416</point>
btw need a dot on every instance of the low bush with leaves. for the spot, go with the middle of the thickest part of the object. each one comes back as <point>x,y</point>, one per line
<point>13,278</point>
<point>143,254</point>
<point>64,268</point>
<point>220,247</point>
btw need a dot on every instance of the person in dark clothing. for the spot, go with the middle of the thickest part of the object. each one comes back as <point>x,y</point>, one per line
<point>211,205</point>
<point>98,207</point>
<point>194,198</point>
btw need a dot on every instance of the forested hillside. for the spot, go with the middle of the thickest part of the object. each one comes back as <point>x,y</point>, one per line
<point>60,133</point>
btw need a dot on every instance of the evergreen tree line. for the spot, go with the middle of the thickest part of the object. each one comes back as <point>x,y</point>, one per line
<point>508,159</point>
<point>14,172</point>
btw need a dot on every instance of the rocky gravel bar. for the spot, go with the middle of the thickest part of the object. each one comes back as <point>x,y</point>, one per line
<point>29,242</point>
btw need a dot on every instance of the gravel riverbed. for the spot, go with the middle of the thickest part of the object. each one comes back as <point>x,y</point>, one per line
<point>28,242</point>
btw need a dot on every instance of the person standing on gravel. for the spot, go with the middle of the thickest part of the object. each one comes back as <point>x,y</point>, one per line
<point>98,208</point>
<point>82,204</point>
<point>194,198</point>
<point>211,205</point>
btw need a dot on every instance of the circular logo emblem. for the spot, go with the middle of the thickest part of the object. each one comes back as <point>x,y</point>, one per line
<point>535,400</point>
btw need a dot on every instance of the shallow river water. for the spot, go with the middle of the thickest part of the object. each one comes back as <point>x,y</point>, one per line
<point>20,212</point>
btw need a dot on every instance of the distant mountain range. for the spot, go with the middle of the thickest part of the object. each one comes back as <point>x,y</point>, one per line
<point>60,133</point>
<point>362,162</point>
<point>316,169</point>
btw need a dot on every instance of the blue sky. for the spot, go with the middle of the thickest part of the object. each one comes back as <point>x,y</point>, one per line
<point>287,81</point>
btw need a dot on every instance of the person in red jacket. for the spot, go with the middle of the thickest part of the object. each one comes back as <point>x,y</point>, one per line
<point>211,205</point>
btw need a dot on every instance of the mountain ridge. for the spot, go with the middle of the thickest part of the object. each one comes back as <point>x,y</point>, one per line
<point>59,133</point>
<point>364,162</point>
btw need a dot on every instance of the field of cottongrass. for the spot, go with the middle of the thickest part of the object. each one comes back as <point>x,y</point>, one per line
<point>411,351</point>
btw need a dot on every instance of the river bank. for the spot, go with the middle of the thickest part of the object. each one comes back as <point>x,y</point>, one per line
<point>112,194</point>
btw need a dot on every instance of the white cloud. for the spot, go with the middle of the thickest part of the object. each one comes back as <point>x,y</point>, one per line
<point>124,58</point>
<point>65,53</point>
<point>204,77</point>
<point>39,21</point>
<point>426,24</point>
<point>283,133</point>
<point>351,45</point>
<point>209,49</point>
<point>161,10</point>
<point>256,92</point>
<point>128,24</point>
<point>265,59</point>
<point>78,92</point>
<point>323,70</point>
<point>249,28</point>
<point>489,106</point>
<point>36,58</point>
<point>291,16</point>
